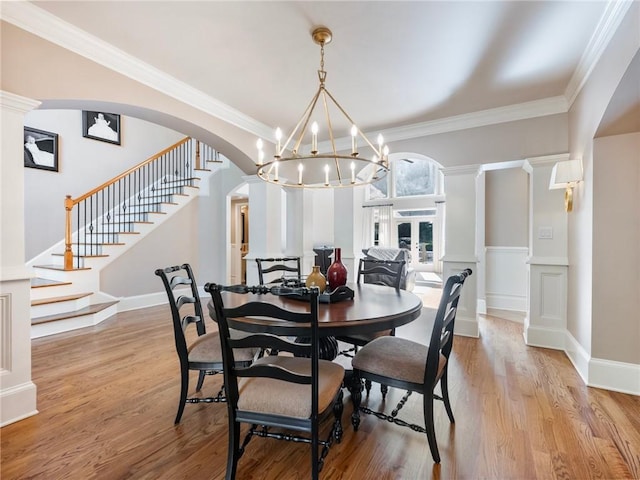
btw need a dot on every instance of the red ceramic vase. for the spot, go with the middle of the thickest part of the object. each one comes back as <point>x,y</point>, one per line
<point>337,272</point>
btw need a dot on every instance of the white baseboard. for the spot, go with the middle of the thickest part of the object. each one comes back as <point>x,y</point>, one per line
<point>578,356</point>
<point>467,327</point>
<point>616,376</point>
<point>507,302</point>
<point>544,337</point>
<point>143,301</point>
<point>17,403</point>
<point>481,306</point>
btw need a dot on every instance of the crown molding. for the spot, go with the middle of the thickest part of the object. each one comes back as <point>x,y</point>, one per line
<point>609,23</point>
<point>482,118</point>
<point>45,25</point>
<point>17,102</point>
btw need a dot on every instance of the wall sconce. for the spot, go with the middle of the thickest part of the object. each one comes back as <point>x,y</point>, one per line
<point>566,175</point>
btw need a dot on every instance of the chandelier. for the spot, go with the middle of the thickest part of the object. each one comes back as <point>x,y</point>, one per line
<point>293,167</point>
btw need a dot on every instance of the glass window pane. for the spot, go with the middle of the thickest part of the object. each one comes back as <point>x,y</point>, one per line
<point>415,177</point>
<point>379,189</point>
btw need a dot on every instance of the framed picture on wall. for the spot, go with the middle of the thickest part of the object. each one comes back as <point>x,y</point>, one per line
<point>40,149</point>
<point>101,126</point>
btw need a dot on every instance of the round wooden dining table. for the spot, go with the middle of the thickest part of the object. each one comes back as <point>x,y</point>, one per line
<point>373,308</point>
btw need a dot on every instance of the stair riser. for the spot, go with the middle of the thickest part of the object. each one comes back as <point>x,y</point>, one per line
<point>66,325</point>
<point>152,207</point>
<point>55,308</point>
<point>131,217</point>
<point>159,197</point>
<point>99,237</point>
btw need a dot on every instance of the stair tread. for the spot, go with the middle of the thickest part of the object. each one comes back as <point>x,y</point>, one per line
<point>75,255</point>
<point>38,282</point>
<point>95,308</point>
<point>64,298</point>
<point>60,268</point>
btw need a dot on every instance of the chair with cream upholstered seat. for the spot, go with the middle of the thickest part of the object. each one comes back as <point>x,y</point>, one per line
<point>411,366</point>
<point>202,353</point>
<point>280,393</point>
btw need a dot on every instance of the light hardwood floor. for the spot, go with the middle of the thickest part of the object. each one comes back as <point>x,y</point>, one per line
<point>107,398</point>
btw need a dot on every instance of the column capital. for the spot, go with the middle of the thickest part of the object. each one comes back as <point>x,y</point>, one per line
<point>543,161</point>
<point>462,170</point>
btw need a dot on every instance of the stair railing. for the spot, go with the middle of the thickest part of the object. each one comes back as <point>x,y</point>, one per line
<point>101,214</point>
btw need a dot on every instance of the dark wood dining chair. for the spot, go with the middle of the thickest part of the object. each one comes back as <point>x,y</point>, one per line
<point>202,353</point>
<point>281,266</point>
<point>278,394</point>
<point>411,366</point>
<point>379,272</point>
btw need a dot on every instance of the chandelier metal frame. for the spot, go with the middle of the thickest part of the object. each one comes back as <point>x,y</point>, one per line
<point>316,169</point>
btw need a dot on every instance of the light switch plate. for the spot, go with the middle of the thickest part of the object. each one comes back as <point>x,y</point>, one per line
<point>545,233</point>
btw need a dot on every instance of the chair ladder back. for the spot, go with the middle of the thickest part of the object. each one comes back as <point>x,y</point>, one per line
<point>391,269</point>
<point>171,281</point>
<point>267,310</point>
<point>441,341</point>
<point>280,265</point>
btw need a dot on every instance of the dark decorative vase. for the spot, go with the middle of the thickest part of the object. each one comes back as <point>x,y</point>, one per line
<point>337,272</point>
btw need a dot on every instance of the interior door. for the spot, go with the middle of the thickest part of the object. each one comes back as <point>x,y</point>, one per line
<point>416,235</point>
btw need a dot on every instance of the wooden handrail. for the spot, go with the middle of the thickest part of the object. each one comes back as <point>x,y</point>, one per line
<point>132,169</point>
<point>70,203</point>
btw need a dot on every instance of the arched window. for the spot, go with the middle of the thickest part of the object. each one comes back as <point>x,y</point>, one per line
<point>408,177</point>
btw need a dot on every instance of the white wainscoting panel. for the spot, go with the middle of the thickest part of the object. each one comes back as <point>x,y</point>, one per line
<point>506,278</point>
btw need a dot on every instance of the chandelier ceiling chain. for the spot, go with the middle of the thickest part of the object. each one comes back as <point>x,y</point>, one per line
<point>316,169</point>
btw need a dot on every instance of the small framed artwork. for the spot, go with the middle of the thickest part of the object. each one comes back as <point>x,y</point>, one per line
<point>40,149</point>
<point>101,126</point>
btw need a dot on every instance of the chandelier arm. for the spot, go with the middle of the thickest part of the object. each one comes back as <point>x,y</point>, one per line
<point>304,118</point>
<point>379,153</point>
<point>331,137</point>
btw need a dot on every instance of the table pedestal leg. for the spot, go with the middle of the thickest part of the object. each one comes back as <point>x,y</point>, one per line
<point>328,346</point>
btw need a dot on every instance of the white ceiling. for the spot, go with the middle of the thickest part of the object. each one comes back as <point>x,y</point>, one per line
<point>390,63</point>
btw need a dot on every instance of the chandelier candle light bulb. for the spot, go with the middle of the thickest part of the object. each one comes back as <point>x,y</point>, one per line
<point>353,172</point>
<point>354,141</point>
<point>278,138</point>
<point>326,174</point>
<point>300,168</point>
<point>260,152</point>
<point>314,138</point>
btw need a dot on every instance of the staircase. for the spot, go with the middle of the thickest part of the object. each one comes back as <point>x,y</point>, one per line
<point>65,292</point>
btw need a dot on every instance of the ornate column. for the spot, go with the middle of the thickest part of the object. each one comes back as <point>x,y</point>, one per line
<point>17,391</point>
<point>460,241</point>
<point>545,323</point>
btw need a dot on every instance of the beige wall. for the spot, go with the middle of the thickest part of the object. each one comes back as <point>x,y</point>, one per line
<point>493,143</point>
<point>616,254</point>
<point>584,118</point>
<point>507,208</point>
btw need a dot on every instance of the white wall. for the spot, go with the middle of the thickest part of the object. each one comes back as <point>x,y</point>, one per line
<point>84,164</point>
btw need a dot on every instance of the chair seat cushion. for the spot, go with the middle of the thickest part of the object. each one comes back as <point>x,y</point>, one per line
<point>268,395</point>
<point>206,349</point>
<point>395,357</point>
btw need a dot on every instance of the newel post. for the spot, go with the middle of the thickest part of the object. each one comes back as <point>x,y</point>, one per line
<point>68,253</point>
